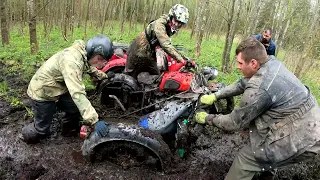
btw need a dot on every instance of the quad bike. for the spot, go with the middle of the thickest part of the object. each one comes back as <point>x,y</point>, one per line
<point>168,101</point>
<point>118,60</point>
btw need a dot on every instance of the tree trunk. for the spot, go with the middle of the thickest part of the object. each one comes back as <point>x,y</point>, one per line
<point>282,20</point>
<point>32,27</point>
<point>201,21</point>
<point>231,25</point>
<point>197,20</point>
<point>132,16</point>
<point>310,43</point>
<point>4,25</point>
<point>87,18</point>
<point>163,7</point>
<point>105,16</point>
<point>123,16</point>
<point>73,18</point>
<point>283,34</point>
<point>145,13</point>
<point>254,20</point>
<point>66,19</point>
<point>80,12</point>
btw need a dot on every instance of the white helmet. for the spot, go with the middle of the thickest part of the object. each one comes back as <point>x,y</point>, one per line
<point>180,13</point>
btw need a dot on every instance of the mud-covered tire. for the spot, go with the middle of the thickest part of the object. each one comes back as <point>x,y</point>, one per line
<point>144,146</point>
<point>122,85</point>
<point>127,155</point>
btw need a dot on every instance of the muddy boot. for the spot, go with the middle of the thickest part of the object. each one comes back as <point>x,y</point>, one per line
<point>40,128</point>
<point>70,125</point>
<point>266,176</point>
<point>69,130</point>
<point>29,134</point>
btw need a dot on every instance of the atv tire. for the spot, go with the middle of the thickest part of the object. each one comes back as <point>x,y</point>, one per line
<point>122,86</point>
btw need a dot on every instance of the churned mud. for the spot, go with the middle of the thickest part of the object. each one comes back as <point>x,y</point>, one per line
<point>210,156</point>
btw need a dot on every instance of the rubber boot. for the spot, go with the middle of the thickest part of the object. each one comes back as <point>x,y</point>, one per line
<point>266,176</point>
<point>29,134</point>
<point>70,125</point>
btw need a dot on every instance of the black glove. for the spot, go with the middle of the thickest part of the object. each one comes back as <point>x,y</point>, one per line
<point>110,74</point>
<point>190,64</point>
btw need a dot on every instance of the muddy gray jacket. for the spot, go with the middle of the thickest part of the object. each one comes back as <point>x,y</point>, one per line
<point>282,115</point>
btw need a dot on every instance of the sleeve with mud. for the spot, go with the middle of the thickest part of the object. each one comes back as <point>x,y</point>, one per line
<point>254,102</point>
<point>165,42</point>
<point>94,72</point>
<point>234,89</point>
<point>72,75</point>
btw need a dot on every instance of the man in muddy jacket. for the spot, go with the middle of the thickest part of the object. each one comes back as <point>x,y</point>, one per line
<point>142,51</point>
<point>58,83</point>
<point>282,115</point>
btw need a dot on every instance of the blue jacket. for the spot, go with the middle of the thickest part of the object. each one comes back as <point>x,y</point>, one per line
<point>271,50</point>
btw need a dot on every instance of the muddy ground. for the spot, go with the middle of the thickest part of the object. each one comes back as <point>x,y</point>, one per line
<point>59,158</point>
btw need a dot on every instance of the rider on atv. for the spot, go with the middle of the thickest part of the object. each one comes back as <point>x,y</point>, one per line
<point>142,51</point>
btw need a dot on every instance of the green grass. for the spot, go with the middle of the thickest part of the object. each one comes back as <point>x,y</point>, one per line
<point>3,88</point>
<point>17,55</point>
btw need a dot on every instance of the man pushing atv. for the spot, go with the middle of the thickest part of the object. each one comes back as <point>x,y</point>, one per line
<point>142,51</point>
<point>58,84</point>
<point>281,113</point>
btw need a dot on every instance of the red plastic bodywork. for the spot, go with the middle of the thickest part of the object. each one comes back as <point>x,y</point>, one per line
<point>173,73</point>
<point>183,78</point>
<point>114,61</point>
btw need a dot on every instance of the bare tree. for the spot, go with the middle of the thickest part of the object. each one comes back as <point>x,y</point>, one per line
<point>87,18</point>
<point>32,27</point>
<point>4,25</point>
<point>309,43</point>
<point>284,31</point>
<point>105,16</point>
<point>231,29</point>
<point>200,24</point>
<point>254,17</point>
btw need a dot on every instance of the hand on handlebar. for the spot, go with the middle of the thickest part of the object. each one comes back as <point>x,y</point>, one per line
<point>190,64</point>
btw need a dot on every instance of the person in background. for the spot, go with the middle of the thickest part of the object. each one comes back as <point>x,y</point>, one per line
<point>266,40</point>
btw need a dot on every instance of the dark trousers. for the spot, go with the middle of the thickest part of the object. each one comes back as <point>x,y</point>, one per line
<point>245,166</point>
<point>43,115</point>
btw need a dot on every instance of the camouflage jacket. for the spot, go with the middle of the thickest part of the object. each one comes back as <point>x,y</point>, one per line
<point>63,72</point>
<point>159,33</point>
<point>282,115</point>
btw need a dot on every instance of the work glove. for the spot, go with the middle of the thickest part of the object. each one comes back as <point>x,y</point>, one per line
<point>208,99</point>
<point>110,74</point>
<point>201,117</point>
<point>102,129</point>
<point>190,64</point>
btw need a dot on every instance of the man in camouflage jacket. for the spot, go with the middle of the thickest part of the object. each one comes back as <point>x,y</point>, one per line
<point>58,83</point>
<point>142,51</point>
<point>282,115</point>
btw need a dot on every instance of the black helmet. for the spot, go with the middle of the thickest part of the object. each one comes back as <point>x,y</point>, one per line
<point>99,45</point>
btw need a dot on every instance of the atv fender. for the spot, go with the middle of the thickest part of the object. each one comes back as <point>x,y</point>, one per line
<point>121,62</point>
<point>129,133</point>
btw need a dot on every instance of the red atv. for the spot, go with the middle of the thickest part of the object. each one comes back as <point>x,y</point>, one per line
<point>168,102</point>
<point>127,92</point>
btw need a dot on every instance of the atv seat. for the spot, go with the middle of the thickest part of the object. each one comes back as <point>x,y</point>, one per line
<point>146,78</point>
